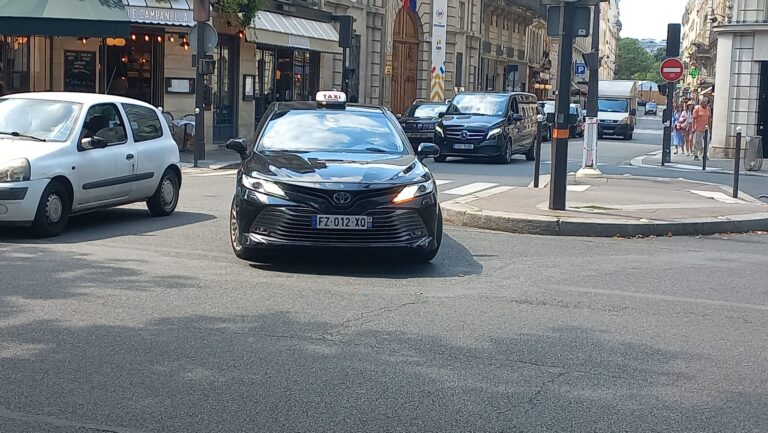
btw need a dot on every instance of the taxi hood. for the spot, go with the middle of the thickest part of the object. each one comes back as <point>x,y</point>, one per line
<point>332,167</point>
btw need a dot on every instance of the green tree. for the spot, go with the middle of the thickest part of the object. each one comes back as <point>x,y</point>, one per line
<point>660,54</point>
<point>634,62</point>
<point>242,10</point>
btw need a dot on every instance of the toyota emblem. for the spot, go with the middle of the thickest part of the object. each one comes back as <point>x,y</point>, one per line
<point>464,135</point>
<point>342,198</point>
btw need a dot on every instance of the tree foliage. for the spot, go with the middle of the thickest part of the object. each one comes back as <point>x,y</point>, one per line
<point>660,54</point>
<point>635,63</point>
<point>245,10</point>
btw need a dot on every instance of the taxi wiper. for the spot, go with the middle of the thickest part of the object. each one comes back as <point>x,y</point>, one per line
<point>376,149</point>
<point>20,134</point>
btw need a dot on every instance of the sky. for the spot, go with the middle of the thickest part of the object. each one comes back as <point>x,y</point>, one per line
<point>649,18</point>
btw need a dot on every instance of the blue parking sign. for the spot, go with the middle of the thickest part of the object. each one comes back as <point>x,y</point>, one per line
<point>581,69</point>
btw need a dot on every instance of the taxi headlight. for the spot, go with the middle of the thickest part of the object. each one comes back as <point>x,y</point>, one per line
<point>493,132</point>
<point>262,186</point>
<point>439,130</point>
<point>16,170</point>
<point>412,191</point>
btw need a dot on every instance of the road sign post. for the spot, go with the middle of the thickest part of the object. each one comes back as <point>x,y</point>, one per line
<point>671,70</point>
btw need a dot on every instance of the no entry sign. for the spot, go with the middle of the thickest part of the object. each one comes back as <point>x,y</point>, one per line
<point>672,69</point>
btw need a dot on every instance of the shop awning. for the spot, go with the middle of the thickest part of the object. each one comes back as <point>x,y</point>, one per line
<point>286,31</point>
<point>88,18</point>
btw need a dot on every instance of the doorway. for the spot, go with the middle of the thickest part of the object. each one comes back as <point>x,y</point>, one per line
<point>224,84</point>
<point>762,108</point>
<point>405,60</point>
<point>134,67</point>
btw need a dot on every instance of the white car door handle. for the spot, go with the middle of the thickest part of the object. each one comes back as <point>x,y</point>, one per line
<point>129,157</point>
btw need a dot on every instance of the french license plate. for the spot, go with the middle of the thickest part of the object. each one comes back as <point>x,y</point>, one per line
<point>464,146</point>
<point>342,222</point>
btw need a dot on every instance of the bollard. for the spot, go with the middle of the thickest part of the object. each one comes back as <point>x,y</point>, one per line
<point>736,162</point>
<point>589,156</point>
<point>537,155</point>
<point>706,150</point>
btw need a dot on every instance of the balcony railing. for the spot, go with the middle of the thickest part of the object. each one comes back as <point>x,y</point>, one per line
<point>535,6</point>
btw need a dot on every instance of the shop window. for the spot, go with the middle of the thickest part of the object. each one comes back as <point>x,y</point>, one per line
<point>144,122</point>
<point>14,64</point>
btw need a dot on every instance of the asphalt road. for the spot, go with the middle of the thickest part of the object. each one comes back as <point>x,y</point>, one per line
<point>128,323</point>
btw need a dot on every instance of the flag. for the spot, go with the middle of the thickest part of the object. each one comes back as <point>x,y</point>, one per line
<point>409,4</point>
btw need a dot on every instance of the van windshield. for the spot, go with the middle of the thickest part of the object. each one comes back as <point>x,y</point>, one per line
<point>480,104</point>
<point>613,105</point>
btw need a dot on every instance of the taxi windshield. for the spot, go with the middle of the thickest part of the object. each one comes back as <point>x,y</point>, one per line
<point>41,120</point>
<point>331,131</point>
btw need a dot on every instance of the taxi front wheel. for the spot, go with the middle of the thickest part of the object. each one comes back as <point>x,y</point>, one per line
<point>240,250</point>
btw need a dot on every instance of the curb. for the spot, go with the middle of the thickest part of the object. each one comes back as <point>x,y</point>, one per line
<point>640,162</point>
<point>212,165</point>
<point>469,216</point>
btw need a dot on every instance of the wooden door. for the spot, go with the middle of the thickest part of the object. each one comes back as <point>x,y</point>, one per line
<point>405,60</point>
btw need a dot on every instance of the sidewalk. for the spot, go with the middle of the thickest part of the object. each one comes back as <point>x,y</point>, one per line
<point>613,206</point>
<point>214,159</point>
<point>683,162</point>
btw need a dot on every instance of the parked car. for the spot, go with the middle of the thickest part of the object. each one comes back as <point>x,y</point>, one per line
<point>67,153</point>
<point>641,102</point>
<point>327,175</point>
<point>650,108</point>
<point>576,117</point>
<point>419,121</point>
<point>491,125</point>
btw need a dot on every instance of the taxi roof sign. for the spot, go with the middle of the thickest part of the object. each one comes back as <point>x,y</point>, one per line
<point>331,97</point>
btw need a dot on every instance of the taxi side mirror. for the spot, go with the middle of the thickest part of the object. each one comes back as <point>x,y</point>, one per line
<point>237,145</point>
<point>428,150</point>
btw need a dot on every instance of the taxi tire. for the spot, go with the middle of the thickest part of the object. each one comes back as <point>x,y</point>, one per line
<point>56,198</point>
<point>241,252</point>
<point>426,256</point>
<point>159,205</point>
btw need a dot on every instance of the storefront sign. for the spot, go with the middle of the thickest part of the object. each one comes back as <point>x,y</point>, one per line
<point>171,17</point>
<point>439,21</point>
<point>80,71</point>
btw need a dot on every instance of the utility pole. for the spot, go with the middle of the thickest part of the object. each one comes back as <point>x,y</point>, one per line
<point>560,133</point>
<point>594,72</point>
<point>202,13</point>
<point>673,50</point>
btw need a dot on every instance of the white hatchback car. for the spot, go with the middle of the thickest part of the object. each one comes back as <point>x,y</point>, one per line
<point>68,153</point>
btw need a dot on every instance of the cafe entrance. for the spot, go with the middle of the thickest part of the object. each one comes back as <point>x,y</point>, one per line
<point>133,67</point>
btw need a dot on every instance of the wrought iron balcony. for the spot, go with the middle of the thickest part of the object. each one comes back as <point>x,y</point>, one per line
<point>535,7</point>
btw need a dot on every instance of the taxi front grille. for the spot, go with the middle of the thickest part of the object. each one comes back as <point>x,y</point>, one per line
<point>294,224</point>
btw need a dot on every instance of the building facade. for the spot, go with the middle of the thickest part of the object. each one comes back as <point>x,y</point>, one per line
<point>741,75</point>
<point>610,28</point>
<point>699,45</point>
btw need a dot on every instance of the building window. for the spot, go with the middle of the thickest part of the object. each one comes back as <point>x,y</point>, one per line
<point>144,122</point>
<point>459,69</point>
<point>463,15</point>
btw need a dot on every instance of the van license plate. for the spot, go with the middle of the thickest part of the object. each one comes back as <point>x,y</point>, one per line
<point>342,222</point>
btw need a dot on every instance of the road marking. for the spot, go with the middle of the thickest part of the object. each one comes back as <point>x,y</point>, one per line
<point>487,193</point>
<point>578,188</point>
<point>648,131</point>
<point>719,196</point>
<point>442,182</point>
<point>201,173</point>
<point>471,188</point>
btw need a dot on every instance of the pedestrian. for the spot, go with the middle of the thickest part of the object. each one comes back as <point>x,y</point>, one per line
<point>678,137</point>
<point>686,122</point>
<point>702,118</point>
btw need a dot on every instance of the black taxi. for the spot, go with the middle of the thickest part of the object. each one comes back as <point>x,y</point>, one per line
<point>325,174</point>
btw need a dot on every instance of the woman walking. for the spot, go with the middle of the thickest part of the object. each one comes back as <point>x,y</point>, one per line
<point>686,122</point>
<point>678,138</point>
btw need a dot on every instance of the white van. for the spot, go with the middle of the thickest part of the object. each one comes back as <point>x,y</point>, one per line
<point>617,108</point>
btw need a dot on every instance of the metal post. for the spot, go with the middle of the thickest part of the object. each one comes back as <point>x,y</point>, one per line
<point>537,155</point>
<point>666,147</point>
<point>344,70</point>
<point>737,163</point>
<point>560,133</point>
<point>706,150</point>
<point>199,150</point>
<point>594,75</point>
